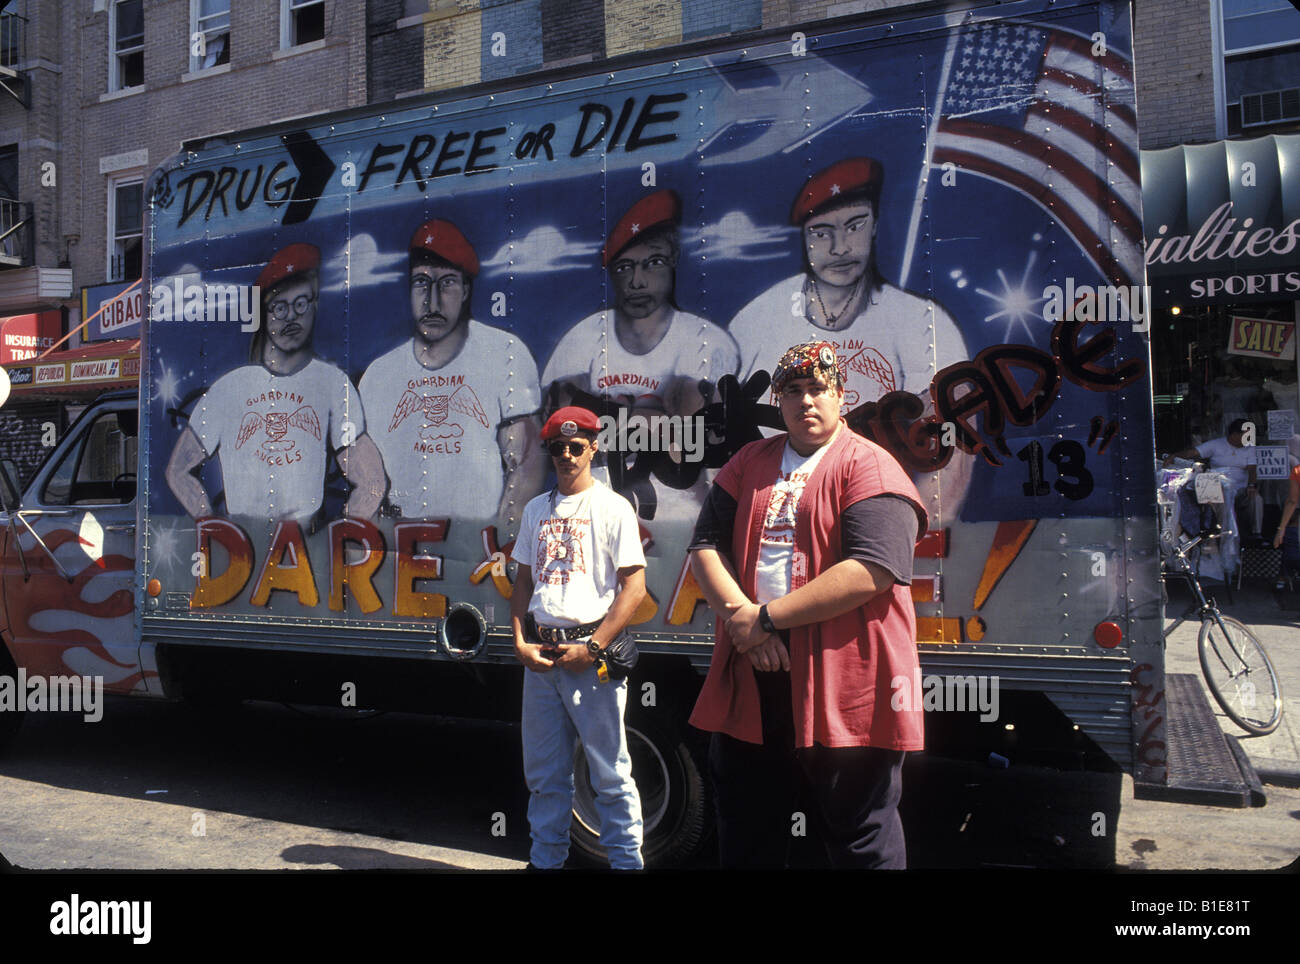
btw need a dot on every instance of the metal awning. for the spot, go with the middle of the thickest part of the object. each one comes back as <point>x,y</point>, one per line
<point>1222,221</point>
<point>87,370</point>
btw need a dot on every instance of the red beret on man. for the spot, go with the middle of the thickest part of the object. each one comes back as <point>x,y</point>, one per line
<point>844,177</point>
<point>653,210</point>
<point>444,240</point>
<point>569,421</point>
<point>295,259</point>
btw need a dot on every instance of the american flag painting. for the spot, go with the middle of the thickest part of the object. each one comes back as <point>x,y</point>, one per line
<point>1043,112</point>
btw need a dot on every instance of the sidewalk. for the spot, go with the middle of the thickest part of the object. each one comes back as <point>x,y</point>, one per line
<point>1273,616</point>
<point>1160,835</point>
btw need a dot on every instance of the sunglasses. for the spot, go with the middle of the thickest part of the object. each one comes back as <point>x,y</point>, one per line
<point>558,448</point>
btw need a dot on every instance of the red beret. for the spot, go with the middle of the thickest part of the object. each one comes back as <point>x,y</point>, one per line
<point>568,421</point>
<point>851,174</point>
<point>661,207</point>
<point>443,239</point>
<point>292,260</point>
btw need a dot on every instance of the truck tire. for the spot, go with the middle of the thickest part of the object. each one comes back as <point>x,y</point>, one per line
<point>669,768</point>
<point>11,721</point>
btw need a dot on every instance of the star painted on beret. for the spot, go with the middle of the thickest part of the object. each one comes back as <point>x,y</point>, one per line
<point>288,267</point>
<point>636,228</point>
<point>835,189</point>
<point>428,239</point>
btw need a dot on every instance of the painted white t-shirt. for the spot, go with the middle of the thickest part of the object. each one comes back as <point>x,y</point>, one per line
<point>776,540</point>
<point>437,429</point>
<point>663,380</point>
<point>270,433</point>
<point>888,346</point>
<point>591,356</point>
<point>575,545</point>
<point>1233,461</point>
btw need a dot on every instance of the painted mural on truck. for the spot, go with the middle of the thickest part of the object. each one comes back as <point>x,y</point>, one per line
<point>357,328</point>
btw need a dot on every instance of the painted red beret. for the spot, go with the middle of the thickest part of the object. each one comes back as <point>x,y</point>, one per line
<point>661,207</point>
<point>292,260</point>
<point>850,174</point>
<point>444,240</point>
<point>568,421</point>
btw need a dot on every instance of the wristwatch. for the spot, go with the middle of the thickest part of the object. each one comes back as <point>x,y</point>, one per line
<point>594,648</point>
<point>765,621</point>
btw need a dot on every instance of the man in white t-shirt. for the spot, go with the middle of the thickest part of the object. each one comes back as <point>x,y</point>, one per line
<point>645,353</point>
<point>581,577</point>
<point>1236,460</point>
<point>886,339</point>
<point>269,422</point>
<point>454,408</point>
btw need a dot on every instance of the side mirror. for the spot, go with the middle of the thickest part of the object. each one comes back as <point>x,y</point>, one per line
<point>128,422</point>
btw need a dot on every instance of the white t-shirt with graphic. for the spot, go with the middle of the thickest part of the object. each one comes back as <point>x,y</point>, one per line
<point>270,434</point>
<point>575,545</point>
<point>888,346</point>
<point>776,540</point>
<point>591,356</point>
<point>437,429</point>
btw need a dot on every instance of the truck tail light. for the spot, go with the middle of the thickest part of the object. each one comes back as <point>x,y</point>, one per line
<point>1108,635</point>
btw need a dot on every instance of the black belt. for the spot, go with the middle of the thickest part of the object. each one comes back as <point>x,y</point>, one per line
<point>563,634</point>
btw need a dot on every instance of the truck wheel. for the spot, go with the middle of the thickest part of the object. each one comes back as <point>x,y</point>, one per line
<point>11,721</point>
<point>669,772</point>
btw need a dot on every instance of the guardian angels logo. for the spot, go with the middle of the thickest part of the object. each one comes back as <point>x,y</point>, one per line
<point>435,410</point>
<point>276,425</point>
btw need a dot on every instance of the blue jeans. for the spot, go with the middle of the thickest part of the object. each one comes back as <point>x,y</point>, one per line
<point>561,708</point>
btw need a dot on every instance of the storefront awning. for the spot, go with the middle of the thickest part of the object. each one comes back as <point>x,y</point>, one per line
<point>87,370</point>
<point>1222,221</point>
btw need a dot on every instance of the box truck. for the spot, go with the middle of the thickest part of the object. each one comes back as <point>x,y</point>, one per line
<point>314,495</point>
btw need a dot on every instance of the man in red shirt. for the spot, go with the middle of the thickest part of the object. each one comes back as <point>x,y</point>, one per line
<point>804,550</point>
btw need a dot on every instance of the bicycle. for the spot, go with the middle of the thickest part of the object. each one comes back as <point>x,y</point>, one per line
<point>1236,667</point>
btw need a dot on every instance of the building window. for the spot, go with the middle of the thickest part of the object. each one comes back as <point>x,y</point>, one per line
<point>1261,66</point>
<point>301,22</point>
<point>125,227</point>
<point>209,20</point>
<point>126,41</point>
<point>12,209</point>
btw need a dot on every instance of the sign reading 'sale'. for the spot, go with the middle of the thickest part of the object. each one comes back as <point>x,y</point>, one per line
<point>1262,338</point>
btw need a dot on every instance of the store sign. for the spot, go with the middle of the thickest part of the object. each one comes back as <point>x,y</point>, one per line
<point>1261,338</point>
<point>21,376</point>
<point>101,369</point>
<point>114,311</point>
<point>1272,462</point>
<point>1222,221</point>
<point>1281,424</point>
<point>51,374</point>
<point>23,337</point>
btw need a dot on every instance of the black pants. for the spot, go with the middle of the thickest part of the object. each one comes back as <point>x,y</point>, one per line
<point>851,794</point>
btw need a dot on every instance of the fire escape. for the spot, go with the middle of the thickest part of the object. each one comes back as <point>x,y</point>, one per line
<point>15,215</point>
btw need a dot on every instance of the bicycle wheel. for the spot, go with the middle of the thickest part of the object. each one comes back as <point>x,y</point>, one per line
<point>1240,675</point>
